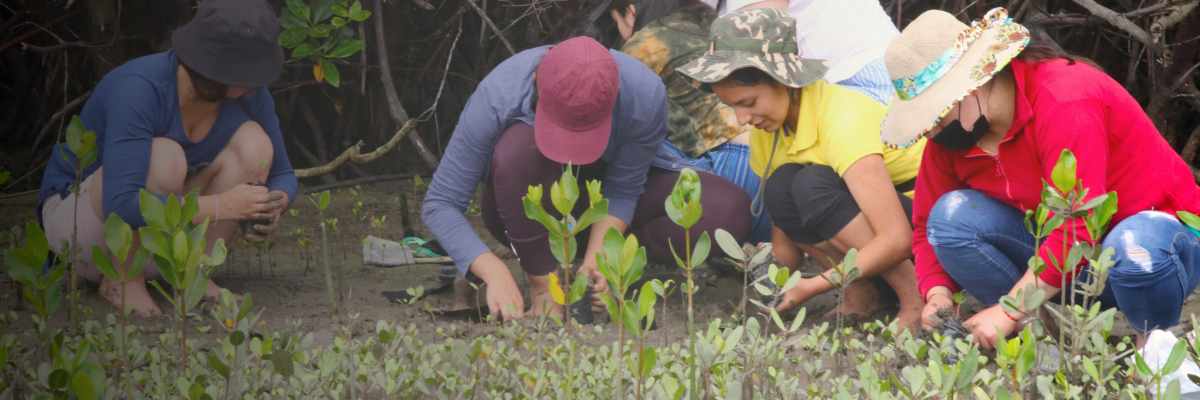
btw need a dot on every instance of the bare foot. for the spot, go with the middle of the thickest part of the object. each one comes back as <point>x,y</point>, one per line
<point>543,301</point>
<point>861,298</point>
<point>136,296</point>
<point>213,291</point>
<point>908,318</point>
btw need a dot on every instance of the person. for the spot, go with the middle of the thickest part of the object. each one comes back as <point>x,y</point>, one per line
<point>664,35</point>
<point>573,105</point>
<point>850,35</point>
<point>1025,103</point>
<point>197,116</point>
<point>817,146</point>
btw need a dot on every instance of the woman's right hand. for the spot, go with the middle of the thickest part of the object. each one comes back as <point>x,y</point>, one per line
<point>503,296</point>
<point>936,300</point>
<point>243,202</point>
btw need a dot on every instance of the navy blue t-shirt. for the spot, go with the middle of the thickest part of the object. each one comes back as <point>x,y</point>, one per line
<point>139,101</point>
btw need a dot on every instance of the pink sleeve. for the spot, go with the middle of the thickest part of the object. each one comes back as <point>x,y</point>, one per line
<point>1077,125</point>
<point>934,179</point>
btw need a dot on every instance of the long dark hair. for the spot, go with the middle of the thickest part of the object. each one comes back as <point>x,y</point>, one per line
<point>204,88</point>
<point>652,10</point>
<point>1040,50</point>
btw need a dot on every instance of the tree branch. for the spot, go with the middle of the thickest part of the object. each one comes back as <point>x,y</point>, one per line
<point>353,155</point>
<point>1121,22</point>
<point>362,181</point>
<point>389,90</point>
<point>488,21</point>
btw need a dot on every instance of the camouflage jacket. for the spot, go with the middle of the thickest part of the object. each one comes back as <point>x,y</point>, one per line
<point>696,121</point>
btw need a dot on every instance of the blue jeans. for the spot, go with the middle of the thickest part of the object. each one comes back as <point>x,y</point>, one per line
<point>982,243</point>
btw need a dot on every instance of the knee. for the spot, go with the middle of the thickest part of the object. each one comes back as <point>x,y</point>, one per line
<point>777,189</point>
<point>1145,243</point>
<point>814,183</point>
<point>253,145</point>
<point>948,208</point>
<point>168,167</point>
<point>730,205</point>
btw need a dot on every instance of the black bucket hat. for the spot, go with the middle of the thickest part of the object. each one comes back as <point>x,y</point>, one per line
<point>234,42</point>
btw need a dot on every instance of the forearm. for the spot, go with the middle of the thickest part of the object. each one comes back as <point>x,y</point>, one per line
<point>596,238</point>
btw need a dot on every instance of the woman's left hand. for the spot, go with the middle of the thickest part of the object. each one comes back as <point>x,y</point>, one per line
<point>990,325</point>
<point>263,232</point>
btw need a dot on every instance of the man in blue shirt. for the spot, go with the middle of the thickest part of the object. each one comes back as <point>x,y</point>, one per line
<point>575,103</point>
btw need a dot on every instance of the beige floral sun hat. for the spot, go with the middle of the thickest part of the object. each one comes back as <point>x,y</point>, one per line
<point>937,61</point>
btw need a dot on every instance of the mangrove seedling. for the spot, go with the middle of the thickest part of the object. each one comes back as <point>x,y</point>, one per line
<point>82,146</point>
<point>322,202</point>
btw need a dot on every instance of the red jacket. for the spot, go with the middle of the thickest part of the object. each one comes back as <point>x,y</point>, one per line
<point>1059,106</point>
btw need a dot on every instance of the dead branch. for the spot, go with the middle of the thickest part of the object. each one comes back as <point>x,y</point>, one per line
<point>1175,17</point>
<point>389,90</point>
<point>1121,22</point>
<point>363,181</point>
<point>53,118</point>
<point>39,28</point>
<point>488,21</point>
<point>353,154</point>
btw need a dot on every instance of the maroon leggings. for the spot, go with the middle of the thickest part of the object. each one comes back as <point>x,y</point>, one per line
<point>517,164</point>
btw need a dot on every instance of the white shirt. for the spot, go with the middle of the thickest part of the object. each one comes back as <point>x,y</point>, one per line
<point>846,33</point>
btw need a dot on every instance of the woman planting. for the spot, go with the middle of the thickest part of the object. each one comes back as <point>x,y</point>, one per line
<point>664,35</point>
<point>831,184</point>
<point>194,117</point>
<point>1024,104</point>
<point>577,105</point>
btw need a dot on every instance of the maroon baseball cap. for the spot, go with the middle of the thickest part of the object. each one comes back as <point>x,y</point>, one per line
<point>577,85</point>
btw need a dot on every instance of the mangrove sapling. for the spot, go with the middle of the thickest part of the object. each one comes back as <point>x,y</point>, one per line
<point>840,276</point>
<point>178,246</point>
<point>82,145</point>
<point>42,291</point>
<point>563,195</point>
<point>663,289</point>
<point>742,258</point>
<point>622,265</point>
<point>119,238</point>
<point>321,202</point>
<point>684,208</point>
<point>639,320</point>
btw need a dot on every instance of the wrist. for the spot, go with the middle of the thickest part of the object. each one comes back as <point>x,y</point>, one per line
<point>938,291</point>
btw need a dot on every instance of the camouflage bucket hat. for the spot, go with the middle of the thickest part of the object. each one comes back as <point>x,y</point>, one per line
<point>762,38</point>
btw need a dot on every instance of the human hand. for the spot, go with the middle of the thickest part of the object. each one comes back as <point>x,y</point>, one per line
<point>260,232</point>
<point>243,202</point>
<point>935,302</point>
<point>795,296</point>
<point>503,297</point>
<point>989,326</point>
<point>596,279</point>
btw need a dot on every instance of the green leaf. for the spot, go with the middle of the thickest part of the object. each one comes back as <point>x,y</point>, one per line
<point>630,320</point>
<point>324,203</point>
<point>968,365</point>
<point>338,21</point>
<point>195,290</point>
<point>636,266</point>
<point>152,210</point>
<point>340,11</point>
<point>82,386</point>
<point>1175,359</point>
<point>1190,219</point>
<point>322,9</point>
<point>1173,390</point>
<point>103,263</point>
<point>331,73</point>
<point>288,21</point>
<point>729,245</point>
<point>217,364</point>
<point>87,151</point>
<point>59,379</point>
<point>361,16</point>
<point>35,241</point>
<point>292,37</point>
<point>53,295</point>
<point>355,8</point>
<point>118,236</point>
<point>1063,174</point>
<point>298,8</point>
<point>282,361</point>
<point>646,299</point>
<point>236,338</point>
<point>347,48</point>
<point>303,49</point>
<point>611,305</point>
<point>4,176</point>
<point>74,134</point>
<point>649,359</point>
<point>195,391</point>
<point>700,253</point>
<point>578,288</point>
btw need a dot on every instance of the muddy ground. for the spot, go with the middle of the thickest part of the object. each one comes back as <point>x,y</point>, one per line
<point>290,286</point>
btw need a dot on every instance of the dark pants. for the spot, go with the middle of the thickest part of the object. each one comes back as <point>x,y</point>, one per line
<point>517,164</point>
<point>812,203</point>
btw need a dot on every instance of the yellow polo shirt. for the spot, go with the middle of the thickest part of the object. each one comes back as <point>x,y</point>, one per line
<point>836,127</point>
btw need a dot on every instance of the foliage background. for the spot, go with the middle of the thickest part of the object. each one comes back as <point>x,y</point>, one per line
<point>52,52</point>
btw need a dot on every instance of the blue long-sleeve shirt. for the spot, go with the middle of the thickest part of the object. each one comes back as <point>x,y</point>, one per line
<point>506,96</point>
<point>139,101</point>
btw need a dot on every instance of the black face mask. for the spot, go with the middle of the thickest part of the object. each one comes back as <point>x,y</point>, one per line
<point>956,138</point>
